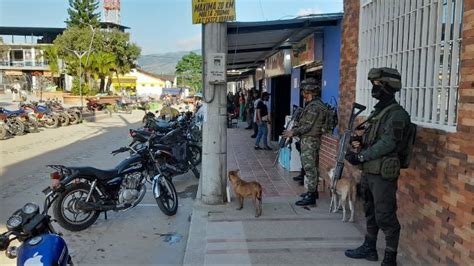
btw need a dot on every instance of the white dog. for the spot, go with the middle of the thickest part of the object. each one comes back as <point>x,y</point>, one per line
<point>344,190</point>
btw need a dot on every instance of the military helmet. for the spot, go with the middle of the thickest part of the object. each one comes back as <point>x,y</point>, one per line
<point>389,76</point>
<point>310,85</point>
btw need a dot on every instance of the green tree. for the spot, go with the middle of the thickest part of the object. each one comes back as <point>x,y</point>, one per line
<point>189,72</point>
<point>50,53</point>
<point>126,53</point>
<point>102,65</point>
<point>114,42</point>
<point>83,12</point>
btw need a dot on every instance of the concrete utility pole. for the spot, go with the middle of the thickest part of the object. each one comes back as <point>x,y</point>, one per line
<point>214,141</point>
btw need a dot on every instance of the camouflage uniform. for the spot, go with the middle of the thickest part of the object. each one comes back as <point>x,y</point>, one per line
<point>310,130</point>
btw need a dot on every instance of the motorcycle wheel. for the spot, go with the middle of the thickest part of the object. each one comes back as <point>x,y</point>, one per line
<point>32,126</point>
<point>65,205</point>
<point>17,127</point>
<point>79,114</point>
<point>3,132</point>
<point>50,121</point>
<point>64,119</point>
<point>73,118</point>
<point>195,154</point>
<point>168,199</point>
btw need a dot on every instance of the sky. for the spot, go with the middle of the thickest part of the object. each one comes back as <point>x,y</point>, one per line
<point>160,26</point>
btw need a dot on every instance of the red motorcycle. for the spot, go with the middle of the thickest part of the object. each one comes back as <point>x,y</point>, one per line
<point>94,105</point>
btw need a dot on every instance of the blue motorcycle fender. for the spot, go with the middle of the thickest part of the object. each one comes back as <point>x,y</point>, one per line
<point>50,250</point>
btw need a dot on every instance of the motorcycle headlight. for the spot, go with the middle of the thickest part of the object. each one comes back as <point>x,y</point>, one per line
<point>30,208</point>
<point>14,222</point>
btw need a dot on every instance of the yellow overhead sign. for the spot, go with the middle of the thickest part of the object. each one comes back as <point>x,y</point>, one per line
<point>213,11</point>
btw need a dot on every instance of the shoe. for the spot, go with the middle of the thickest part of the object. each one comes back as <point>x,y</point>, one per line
<point>253,136</point>
<point>301,182</point>
<point>307,200</point>
<point>367,251</point>
<point>248,128</point>
<point>316,194</point>
<point>390,258</point>
<point>257,147</point>
<point>299,177</point>
<point>268,148</point>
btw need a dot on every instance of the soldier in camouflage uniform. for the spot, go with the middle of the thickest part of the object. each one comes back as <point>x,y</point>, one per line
<point>309,130</point>
<point>379,161</point>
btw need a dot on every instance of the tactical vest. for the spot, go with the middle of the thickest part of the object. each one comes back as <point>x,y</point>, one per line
<point>389,165</point>
<point>313,112</point>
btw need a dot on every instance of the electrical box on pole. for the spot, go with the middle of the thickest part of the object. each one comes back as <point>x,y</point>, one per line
<point>216,68</point>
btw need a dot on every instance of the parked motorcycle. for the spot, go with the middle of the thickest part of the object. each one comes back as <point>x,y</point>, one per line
<point>94,105</point>
<point>40,243</point>
<point>177,154</point>
<point>42,114</point>
<point>122,106</point>
<point>82,193</point>
<point>18,121</point>
<point>67,116</point>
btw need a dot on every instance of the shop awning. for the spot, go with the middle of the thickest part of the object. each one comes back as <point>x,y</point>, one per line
<point>249,43</point>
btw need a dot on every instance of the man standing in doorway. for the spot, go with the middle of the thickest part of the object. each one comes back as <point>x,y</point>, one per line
<point>262,120</point>
<point>255,103</point>
<point>379,160</point>
<point>310,130</point>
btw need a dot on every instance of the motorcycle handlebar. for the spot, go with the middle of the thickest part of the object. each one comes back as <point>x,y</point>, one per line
<point>120,150</point>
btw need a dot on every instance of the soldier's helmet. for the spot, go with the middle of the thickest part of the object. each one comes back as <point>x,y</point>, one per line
<point>388,76</point>
<point>310,85</point>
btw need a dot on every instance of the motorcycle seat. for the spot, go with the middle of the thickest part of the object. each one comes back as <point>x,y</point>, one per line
<point>16,112</point>
<point>94,172</point>
<point>162,147</point>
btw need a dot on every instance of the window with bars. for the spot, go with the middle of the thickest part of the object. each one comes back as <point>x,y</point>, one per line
<point>420,38</point>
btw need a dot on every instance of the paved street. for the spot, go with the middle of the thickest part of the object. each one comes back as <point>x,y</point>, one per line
<point>142,235</point>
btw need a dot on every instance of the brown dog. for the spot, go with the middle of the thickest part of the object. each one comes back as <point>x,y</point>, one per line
<point>344,191</point>
<point>244,189</point>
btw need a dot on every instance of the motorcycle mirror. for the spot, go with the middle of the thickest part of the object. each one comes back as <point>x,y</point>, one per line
<point>11,252</point>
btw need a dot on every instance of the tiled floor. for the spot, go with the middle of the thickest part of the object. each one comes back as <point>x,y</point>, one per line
<point>258,165</point>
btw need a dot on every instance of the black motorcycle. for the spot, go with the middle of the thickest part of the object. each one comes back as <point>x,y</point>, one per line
<point>178,154</point>
<point>82,193</point>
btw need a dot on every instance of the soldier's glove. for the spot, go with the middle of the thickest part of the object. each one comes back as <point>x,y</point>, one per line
<point>356,138</point>
<point>354,158</point>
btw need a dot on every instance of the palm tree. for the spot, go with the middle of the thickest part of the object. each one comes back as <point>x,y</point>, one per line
<point>102,65</point>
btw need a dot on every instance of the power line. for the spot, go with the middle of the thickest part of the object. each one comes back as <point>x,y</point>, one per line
<point>261,9</point>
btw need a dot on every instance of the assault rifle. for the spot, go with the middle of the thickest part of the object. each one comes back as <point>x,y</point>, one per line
<point>344,142</point>
<point>285,141</point>
<point>296,114</point>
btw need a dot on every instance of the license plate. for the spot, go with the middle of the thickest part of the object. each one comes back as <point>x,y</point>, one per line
<point>47,190</point>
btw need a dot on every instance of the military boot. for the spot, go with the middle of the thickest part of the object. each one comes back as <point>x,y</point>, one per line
<point>308,199</point>
<point>367,251</point>
<point>390,258</point>
<point>316,194</point>
<point>299,177</point>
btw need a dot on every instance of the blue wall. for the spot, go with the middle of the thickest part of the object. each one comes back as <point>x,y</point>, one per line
<point>331,60</point>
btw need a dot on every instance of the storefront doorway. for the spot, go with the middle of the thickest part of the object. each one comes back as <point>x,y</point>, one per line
<point>281,98</point>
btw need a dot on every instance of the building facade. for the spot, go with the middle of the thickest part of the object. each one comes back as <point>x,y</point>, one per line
<point>142,83</point>
<point>432,44</point>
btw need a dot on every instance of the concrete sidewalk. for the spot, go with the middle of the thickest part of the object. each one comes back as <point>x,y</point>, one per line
<point>284,234</point>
